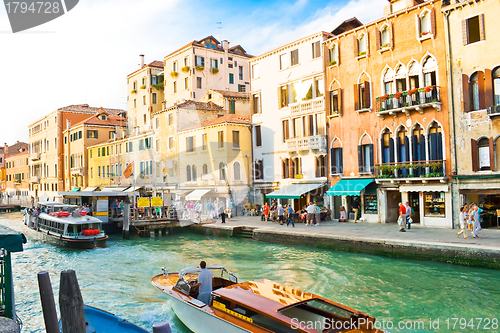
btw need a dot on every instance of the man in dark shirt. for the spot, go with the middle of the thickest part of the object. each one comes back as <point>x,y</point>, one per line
<point>355,209</point>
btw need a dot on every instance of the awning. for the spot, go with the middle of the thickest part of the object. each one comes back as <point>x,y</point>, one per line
<point>76,189</point>
<point>423,188</point>
<point>90,189</point>
<point>349,186</point>
<point>197,194</point>
<point>114,188</point>
<point>132,189</point>
<point>293,191</point>
<point>11,240</point>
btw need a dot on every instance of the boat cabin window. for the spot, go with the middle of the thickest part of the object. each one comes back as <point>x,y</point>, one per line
<point>318,311</point>
<point>249,315</point>
<point>51,226</point>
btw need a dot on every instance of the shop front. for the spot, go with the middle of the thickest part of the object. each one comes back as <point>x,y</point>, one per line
<point>431,204</point>
<point>299,195</point>
<point>344,193</point>
<point>488,200</point>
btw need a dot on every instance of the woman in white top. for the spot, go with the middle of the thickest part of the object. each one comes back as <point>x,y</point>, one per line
<point>463,222</point>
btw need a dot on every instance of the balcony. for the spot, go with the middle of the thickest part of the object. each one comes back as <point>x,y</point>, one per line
<point>34,179</point>
<point>408,100</point>
<point>308,143</point>
<point>494,111</point>
<point>303,107</point>
<point>35,157</point>
<point>411,171</point>
<point>77,171</point>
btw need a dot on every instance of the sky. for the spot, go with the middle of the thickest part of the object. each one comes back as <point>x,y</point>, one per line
<point>85,55</point>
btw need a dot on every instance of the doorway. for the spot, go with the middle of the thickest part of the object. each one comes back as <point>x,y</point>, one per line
<point>414,200</point>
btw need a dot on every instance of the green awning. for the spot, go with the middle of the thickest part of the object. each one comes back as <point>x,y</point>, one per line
<point>11,240</point>
<point>349,186</point>
<point>294,191</point>
<point>76,189</point>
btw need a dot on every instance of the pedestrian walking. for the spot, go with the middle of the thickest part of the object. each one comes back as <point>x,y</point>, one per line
<point>274,207</point>
<point>317,214</point>
<point>463,221</point>
<point>402,217</point>
<point>355,208</point>
<point>223,217</point>
<point>289,220</point>
<point>474,217</point>
<point>281,213</point>
<point>408,215</point>
<point>265,211</point>
<point>310,214</point>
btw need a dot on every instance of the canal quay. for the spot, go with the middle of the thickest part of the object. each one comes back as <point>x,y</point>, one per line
<point>116,278</point>
<point>383,239</point>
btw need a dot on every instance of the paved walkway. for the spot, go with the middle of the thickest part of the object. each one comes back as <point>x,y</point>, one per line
<point>489,238</point>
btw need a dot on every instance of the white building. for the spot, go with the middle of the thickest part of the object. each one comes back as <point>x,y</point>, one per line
<point>289,121</point>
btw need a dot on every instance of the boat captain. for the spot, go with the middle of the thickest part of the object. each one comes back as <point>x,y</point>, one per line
<point>205,282</point>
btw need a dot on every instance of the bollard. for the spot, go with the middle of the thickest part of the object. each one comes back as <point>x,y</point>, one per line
<point>48,303</point>
<point>71,303</point>
<point>162,327</point>
<point>126,221</point>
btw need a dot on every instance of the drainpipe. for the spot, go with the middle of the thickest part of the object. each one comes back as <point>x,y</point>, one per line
<point>452,103</point>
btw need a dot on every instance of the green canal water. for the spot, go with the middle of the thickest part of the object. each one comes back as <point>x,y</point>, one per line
<point>117,279</point>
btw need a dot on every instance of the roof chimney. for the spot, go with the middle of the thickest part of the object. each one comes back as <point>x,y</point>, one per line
<point>225,45</point>
<point>141,56</point>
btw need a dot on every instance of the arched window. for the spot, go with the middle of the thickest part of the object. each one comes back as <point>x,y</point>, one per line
<point>334,55</point>
<point>496,85</point>
<point>418,149</point>
<point>204,169</point>
<point>362,44</point>
<point>435,138</point>
<point>425,23</point>
<point>400,79</point>
<point>413,75</point>
<point>222,171</point>
<point>285,164</point>
<point>429,69</point>
<point>193,172</point>
<point>403,147</point>
<point>365,155</point>
<point>237,171</point>
<point>483,146</point>
<point>336,158</point>
<point>474,91</point>
<point>388,78</point>
<point>387,147</point>
<point>188,173</point>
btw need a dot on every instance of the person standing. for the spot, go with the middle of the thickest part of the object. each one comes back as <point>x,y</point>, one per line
<point>274,207</point>
<point>317,214</point>
<point>310,214</point>
<point>265,210</point>
<point>289,212</point>
<point>463,221</point>
<point>205,283</point>
<point>281,214</point>
<point>355,208</point>
<point>402,217</point>
<point>474,217</point>
<point>223,217</point>
<point>408,215</point>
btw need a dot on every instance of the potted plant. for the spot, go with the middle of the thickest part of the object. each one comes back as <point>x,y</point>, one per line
<point>424,33</point>
<point>214,70</point>
<point>185,69</point>
<point>361,53</point>
<point>143,86</point>
<point>386,45</point>
<point>133,91</point>
<point>412,91</point>
<point>382,98</point>
<point>333,62</point>
<point>398,95</point>
<point>200,68</point>
<point>173,75</point>
<point>158,86</point>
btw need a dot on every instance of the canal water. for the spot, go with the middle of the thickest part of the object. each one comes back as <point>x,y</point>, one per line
<point>396,292</point>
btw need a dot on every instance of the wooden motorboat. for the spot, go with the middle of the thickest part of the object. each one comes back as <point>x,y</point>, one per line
<point>255,306</point>
<point>64,225</point>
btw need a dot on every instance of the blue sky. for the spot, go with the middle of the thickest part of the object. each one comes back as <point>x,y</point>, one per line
<point>85,55</point>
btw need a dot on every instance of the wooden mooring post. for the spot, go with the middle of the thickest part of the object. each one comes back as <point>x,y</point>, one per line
<point>48,303</point>
<point>71,303</point>
<point>126,221</point>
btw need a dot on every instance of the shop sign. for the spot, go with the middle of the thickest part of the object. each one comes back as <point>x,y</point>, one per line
<point>143,202</point>
<point>156,202</point>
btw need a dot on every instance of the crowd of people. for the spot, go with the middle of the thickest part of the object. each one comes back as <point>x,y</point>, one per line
<point>470,218</point>
<point>309,214</point>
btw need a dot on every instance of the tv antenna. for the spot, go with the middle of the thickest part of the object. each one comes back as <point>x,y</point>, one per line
<point>220,27</point>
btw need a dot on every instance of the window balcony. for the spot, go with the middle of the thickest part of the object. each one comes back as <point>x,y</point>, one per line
<point>409,100</point>
<point>35,179</point>
<point>317,142</point>
<point>494,111</point>
<point>309,106</point>
<point>35,157</point>
<point>77,171</point>
<point>408,171</point>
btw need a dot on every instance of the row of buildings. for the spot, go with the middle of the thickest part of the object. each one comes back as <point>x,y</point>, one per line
<point>404,108</point>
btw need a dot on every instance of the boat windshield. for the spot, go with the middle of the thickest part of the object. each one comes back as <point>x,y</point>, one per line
<point>189,277</point>
<point>321,312</point>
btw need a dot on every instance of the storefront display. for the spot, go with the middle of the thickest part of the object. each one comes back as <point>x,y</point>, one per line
<point>489,204</point>
<point>434,204</point>
<point>370,201</point>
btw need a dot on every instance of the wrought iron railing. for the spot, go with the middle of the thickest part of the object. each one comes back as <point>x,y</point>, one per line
<point>422,169</point>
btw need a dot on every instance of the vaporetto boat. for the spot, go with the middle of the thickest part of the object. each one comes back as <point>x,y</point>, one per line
<point>256,306</point>
<point>64,225</point>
